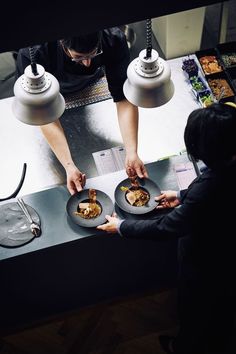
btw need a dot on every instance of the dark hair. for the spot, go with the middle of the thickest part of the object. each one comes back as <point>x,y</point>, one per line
<point>84,43</point>
<point>210,134</point>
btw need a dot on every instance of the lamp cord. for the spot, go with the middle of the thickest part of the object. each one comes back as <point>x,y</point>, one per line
<point>18,188</point>
<point>149,38</point>
<point>32,61</point>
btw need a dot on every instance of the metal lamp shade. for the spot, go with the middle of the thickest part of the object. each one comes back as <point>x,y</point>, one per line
<point>37,98</point>
<point>148,83</point>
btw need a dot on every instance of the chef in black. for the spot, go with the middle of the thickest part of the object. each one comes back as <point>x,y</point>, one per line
<point>77,62</point>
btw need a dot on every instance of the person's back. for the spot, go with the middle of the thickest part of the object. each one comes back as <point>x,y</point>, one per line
<point>212,219</point>
<point>212,140</point>
<point>203,218</point>
<point>207,289</point>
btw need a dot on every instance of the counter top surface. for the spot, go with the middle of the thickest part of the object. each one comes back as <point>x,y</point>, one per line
<point>57,227</point>
<point>88,129</point>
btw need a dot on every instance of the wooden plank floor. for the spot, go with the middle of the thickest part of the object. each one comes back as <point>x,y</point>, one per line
<point>129,327</point>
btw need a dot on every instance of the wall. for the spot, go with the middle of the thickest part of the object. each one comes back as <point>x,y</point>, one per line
<point>179,34</point>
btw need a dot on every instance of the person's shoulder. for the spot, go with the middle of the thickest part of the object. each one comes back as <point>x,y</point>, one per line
<point>114,32</point>
<point>44,47</point>
<point>204,187</point>
<point>113,36</point>
<point>23,52</point>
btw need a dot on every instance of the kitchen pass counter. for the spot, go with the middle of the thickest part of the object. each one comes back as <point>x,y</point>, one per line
<point>69,267</point>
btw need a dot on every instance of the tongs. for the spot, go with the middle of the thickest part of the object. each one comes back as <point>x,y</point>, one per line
<point>133,177</point>
<point>34,227</point>
<point>92,198</point>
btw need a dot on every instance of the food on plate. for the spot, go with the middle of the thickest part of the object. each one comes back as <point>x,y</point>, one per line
<point>136,196</point>
<point>89,209</point>
<point>210,64</point>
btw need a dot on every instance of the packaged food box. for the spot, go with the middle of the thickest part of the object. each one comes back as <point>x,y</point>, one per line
<point>227,52</point>
<point>220,86</point>
<point>209,61</point>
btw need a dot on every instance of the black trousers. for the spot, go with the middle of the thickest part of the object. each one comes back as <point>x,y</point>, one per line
<point>206,308</point>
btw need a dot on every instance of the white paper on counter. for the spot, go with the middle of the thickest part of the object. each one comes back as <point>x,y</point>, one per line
<point>185,174</point>
<point>109,160</point>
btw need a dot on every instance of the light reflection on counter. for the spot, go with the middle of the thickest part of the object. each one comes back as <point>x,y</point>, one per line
<point>89,129</point>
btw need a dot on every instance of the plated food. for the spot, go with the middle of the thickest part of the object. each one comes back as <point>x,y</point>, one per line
<point>89,207</point>
<point>137,199</point>
<point>136,196</point>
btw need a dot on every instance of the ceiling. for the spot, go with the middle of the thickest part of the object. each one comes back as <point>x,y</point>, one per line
<point>27,23</point>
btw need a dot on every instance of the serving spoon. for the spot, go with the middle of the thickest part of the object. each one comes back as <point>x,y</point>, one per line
<point>34,227</point>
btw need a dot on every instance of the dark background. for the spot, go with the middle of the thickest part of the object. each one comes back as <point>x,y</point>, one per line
<point>30,23</point>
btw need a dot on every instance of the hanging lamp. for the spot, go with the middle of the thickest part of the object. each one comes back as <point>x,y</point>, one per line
<point>37,98</point>
<point>148,82</point>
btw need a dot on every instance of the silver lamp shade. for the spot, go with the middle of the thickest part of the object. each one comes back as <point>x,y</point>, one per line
<point>148,81</point>
<point>37,98</point>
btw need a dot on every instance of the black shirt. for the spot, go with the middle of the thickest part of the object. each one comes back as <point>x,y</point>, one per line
<point>207,220</point>
<point>73,76</point>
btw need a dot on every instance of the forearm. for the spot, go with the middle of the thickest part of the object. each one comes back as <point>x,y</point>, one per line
<point>56,139</point>
<point>128,122</point>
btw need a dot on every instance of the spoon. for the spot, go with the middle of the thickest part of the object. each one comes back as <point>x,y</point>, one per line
<point>34,227</point>
<point>222,92</point>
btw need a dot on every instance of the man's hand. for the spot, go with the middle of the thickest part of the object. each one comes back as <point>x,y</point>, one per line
<point>135,167</point>
<point>167,199</point>
<point>111,225</point>
<point>75,179</point>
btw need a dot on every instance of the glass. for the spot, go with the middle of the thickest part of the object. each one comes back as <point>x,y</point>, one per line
<point>86,57</point>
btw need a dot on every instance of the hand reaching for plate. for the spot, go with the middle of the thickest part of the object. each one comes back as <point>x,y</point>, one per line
<point>167,199</point>
<point>111,226</point>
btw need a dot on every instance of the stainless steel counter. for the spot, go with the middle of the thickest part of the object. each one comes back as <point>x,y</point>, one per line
<point>69,267</point>
<point>57,227</point>
<point>89,129</point>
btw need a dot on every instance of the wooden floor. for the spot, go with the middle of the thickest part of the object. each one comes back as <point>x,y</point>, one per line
<point>129,327</point>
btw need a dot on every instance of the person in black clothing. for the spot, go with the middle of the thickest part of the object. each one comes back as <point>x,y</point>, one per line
<point>77,62</point>
<point>203,218</point>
